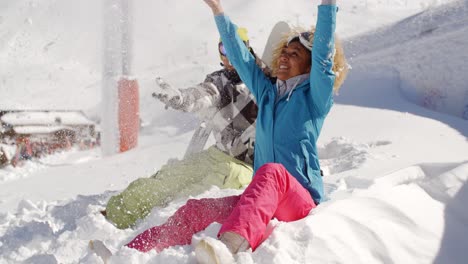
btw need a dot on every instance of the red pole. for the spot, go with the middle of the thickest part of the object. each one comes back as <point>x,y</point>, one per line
<point>129,120</point>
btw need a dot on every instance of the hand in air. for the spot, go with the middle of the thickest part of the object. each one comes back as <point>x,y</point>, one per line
<point>171,97</point>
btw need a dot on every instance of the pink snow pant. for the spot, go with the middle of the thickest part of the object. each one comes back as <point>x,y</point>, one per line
<point>273,192</point>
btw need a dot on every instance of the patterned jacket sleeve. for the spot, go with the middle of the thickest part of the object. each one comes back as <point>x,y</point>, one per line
<point>200,97</point>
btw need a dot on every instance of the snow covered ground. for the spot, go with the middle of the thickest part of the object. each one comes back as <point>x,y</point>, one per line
<point>397,173</point>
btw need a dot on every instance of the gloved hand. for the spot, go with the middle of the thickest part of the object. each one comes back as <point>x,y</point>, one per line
<point>171,97</point>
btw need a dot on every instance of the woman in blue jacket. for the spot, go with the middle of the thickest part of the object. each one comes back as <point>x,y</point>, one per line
<point>287,183</point>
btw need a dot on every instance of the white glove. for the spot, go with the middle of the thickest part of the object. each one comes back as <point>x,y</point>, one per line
<point>171,97</point>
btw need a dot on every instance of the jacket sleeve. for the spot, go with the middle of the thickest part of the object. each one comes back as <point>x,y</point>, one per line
<point>201,97</point>
<point>240,57</point>
<point>322,78</point>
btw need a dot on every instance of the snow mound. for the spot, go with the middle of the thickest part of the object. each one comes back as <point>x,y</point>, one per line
<point>418,49</point>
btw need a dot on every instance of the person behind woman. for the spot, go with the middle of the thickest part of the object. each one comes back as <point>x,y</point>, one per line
<point>228,110</point>
<point>287,183</point>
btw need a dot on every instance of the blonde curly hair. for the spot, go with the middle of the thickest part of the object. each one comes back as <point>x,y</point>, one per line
<point>340,65</point>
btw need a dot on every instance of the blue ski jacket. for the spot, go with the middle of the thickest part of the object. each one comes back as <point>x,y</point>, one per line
<point>288,128</point>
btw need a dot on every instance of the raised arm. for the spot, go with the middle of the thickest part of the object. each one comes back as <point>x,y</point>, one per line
<point>237,53</point>
<point>322,77</point>
<point>215,6</point>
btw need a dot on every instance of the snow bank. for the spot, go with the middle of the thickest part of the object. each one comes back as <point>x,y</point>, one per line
<point>414,214</point>
<point>427,51</point>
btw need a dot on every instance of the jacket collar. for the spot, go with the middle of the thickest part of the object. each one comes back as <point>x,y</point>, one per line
<point>287,87</point>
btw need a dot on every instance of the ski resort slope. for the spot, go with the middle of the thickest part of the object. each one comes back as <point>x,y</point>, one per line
<point>56,46</point>
<point>414,49</point>
<point>396,173</point>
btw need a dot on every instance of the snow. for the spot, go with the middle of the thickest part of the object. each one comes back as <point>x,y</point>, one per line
<point>416,53</point>
<point>396,171</point>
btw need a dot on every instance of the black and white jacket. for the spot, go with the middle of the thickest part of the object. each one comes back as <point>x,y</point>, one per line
<point>228,107</point>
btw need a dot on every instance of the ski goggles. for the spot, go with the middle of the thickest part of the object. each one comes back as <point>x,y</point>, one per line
<point>221,49</point>
<point>304,38</point>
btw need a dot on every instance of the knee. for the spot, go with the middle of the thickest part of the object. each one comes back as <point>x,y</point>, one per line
<point>271,171</point>
<point>192,203</point>
<point>269,168</point>
<point>195,205</point>
<point>201,204</point>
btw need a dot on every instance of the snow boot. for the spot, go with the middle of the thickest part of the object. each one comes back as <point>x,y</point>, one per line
<point>213,251</point>
<point>98,247</point>
<point>234,242</point>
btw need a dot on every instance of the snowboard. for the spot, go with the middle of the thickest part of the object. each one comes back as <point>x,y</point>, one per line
<point>98,247</point>
<point>199,138</point>
<point>276,34</point>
